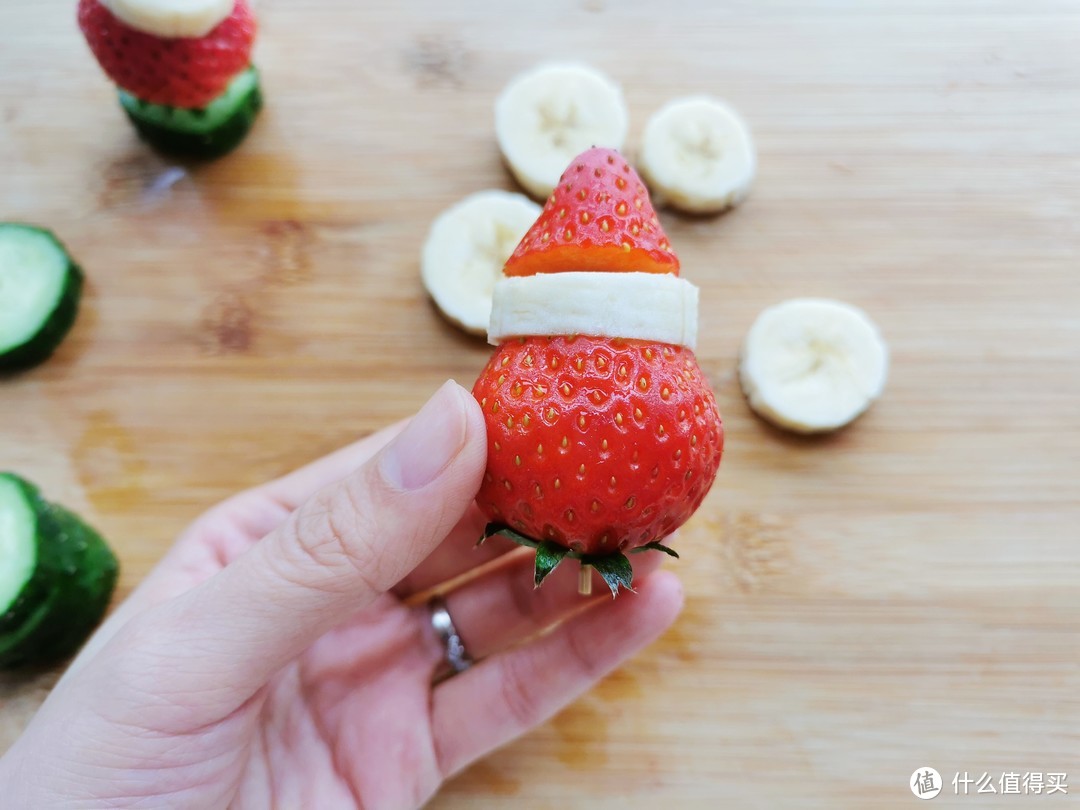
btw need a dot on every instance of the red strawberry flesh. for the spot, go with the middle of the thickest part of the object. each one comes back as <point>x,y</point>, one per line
<point>187,72</point>
<point>598,218</point>
<point>597,445</point>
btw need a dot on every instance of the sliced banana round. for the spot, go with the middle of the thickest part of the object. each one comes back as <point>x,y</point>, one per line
<point>697,155</point>
<point>643,306</point>
<point>465,251</point>
<point>547,116</point>
<point>813,364</point>
<point>171,18</point>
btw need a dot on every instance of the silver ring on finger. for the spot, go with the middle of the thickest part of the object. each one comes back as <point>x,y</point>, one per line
<point>455,658</point>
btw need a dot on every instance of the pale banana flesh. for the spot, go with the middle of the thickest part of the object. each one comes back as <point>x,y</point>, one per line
<point>465,251</point>
<point>812,365</point>
<point>547,116</point>
<point>645,306</point>
<point>697,155</point>
<point>171,18</point>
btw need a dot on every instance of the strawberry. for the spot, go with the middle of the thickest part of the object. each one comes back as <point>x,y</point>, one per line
<point>183,72</point>
<point>599,218</point>
<point>596,446</point>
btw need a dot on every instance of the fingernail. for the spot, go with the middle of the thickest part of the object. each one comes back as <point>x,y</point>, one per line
<point>429,442</point>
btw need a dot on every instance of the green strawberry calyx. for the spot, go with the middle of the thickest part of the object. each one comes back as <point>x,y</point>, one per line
<point>614,567</point>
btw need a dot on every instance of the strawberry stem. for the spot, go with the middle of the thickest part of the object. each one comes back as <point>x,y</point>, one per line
<point>614,567</point>
<point>655,546</point>
<point>548,557</point>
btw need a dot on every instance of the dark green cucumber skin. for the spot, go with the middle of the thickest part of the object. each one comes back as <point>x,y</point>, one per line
<point>36,590</point>
<point>42,345</point>
<point>80,597</point>
<point>83,577</point>
<point>208,145</point>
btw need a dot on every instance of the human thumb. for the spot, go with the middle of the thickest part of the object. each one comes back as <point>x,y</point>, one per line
<point>335,555</point>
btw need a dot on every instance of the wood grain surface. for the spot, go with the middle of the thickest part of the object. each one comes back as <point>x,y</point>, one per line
<point>901,594</point>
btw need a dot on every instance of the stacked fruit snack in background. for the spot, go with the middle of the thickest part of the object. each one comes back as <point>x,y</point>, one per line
<point>183,68</point>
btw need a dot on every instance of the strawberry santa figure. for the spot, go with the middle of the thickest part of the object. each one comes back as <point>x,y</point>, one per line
<point>183,68</point>
<point>603,434</point>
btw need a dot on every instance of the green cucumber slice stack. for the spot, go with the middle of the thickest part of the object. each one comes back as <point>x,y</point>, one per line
<point>40,287</point>
<point>56,578</point>
<point>208,132</point>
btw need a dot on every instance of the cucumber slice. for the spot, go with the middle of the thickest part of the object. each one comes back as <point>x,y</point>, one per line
<point>40,287</point>
<point>23,583</point>
<point>207,132</point>
<point>86,577</point>
<point>16,649</point>
<point>72,580</point>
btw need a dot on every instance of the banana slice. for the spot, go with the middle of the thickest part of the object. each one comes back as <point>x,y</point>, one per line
<point>642,306</point>
<point>697,155</point>
<point>171,18</point>
<point>465,251</point>
<point>547,116</point>
<point>812,364</point>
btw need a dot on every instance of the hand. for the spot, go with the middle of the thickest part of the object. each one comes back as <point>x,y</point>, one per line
<point>275,658</point>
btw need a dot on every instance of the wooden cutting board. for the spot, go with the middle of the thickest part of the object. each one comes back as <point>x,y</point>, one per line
<point>902,594</point>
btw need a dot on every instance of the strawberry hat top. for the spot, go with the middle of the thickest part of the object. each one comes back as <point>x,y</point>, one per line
<point>598,218</point>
